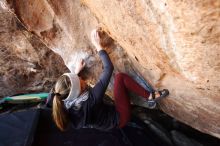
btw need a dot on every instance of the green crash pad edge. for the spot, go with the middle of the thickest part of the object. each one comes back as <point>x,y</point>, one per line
<point>27,97</point>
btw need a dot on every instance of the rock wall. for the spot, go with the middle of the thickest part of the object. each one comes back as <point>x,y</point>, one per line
<point>174,44</point>
<point>27,64</point>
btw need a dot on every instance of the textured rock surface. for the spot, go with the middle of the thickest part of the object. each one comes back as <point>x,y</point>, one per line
<point>174,44</point>
<point>27,65</point>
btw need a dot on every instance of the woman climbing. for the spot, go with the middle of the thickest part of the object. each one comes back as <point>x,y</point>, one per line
<point>73,101</point>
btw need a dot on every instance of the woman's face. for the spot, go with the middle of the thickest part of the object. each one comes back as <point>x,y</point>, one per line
<point>83,85</point>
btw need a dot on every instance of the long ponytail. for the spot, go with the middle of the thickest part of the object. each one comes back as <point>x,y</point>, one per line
<point>60,114</point>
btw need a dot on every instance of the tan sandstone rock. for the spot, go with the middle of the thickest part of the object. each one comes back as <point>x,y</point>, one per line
<point>27,65</point>
<point>176,44</point>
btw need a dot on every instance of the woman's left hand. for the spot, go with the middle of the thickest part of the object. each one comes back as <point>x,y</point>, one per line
<point>79,66</point>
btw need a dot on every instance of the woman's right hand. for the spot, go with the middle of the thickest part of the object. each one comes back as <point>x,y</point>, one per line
<point>96,40</point>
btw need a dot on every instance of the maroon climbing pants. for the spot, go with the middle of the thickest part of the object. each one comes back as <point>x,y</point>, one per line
<point>124,84</point>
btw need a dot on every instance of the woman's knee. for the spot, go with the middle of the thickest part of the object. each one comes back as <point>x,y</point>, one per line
<point>119,75</point>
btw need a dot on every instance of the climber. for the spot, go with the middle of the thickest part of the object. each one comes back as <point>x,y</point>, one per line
<point>73,101</point>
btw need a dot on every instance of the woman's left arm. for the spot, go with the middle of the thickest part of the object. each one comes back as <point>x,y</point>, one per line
<point>98,91</point>
<point>79,66</point>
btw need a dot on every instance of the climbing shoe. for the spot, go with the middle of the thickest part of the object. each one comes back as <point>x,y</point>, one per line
<point>152,103</point>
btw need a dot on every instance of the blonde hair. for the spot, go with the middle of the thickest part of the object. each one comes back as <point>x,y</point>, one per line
<point>61,90</point>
